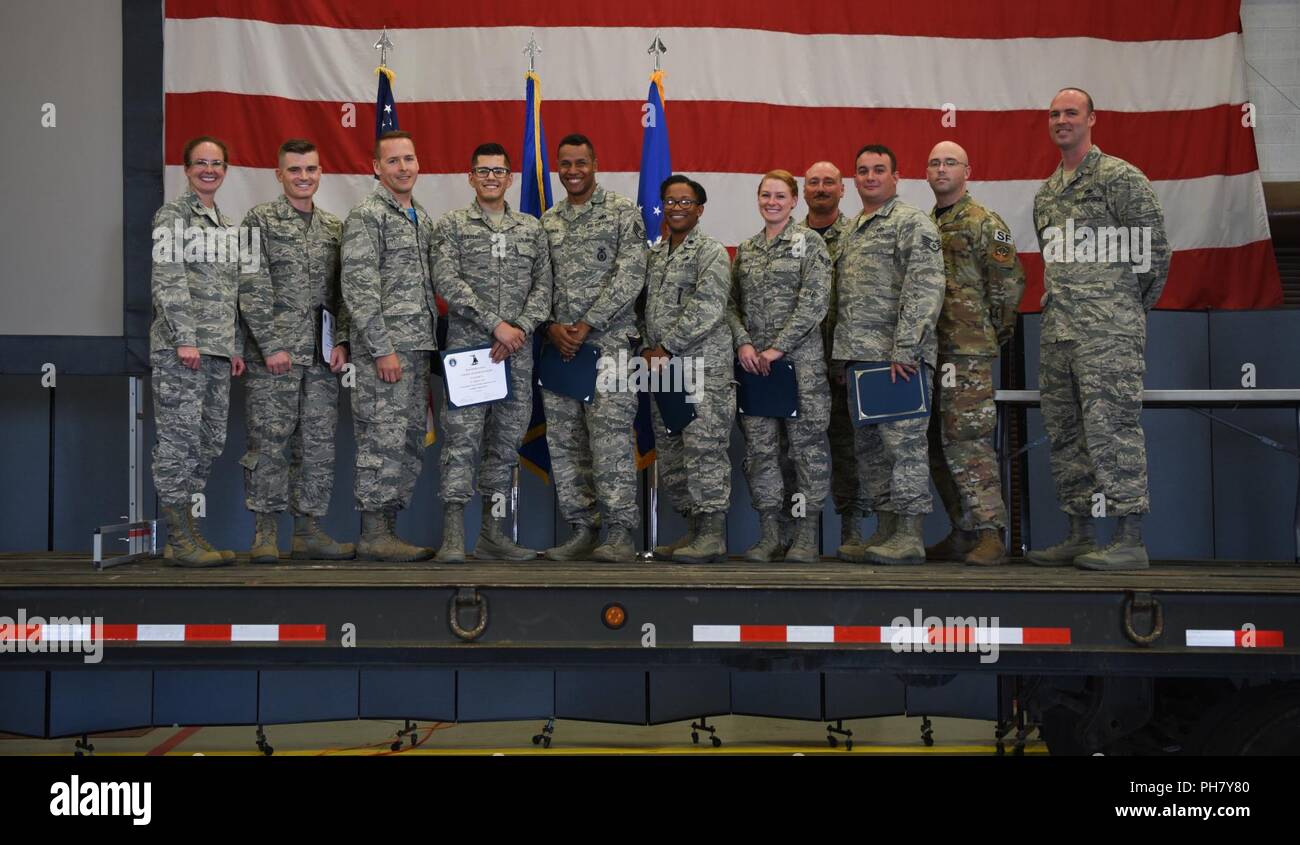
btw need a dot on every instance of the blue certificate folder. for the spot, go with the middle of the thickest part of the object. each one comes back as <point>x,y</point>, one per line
<point>484,353</point>
<point>674,410</point>
<point>874,399</point>
<point>575,379</point>
<point>773,395</point>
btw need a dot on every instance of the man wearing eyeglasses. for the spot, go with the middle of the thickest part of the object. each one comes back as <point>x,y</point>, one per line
<point>984,284</point>
<point>493,267</point>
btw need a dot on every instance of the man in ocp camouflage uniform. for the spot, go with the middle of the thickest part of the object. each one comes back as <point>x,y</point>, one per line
<point>598,255</point>
<point>985,282</point>
<point>687,285</point>
<point>890,284</point>
<point>388,290</point>
<point>493,267</point>
<point>195,346</point>
<point>292,391</point>
<point>1093,336</point>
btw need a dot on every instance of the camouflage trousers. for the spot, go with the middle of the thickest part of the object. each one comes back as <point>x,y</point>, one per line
<point>894,467</point>
<point>694,467</point>
<point>1092,410</point>
<point>390,423</point>
<point>487,436</point>
<point>808,451</point>
<point>962,461</point>
<point>846,492</point>
<point>297,410</point>
<point>190,408</point>
<point>591,454</point>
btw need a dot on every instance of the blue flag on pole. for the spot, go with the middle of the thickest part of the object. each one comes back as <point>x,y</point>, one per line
<point>385,106</point>
<point>656,166</point>
<point>535,198</point>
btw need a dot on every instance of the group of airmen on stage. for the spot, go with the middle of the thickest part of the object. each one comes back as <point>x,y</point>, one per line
<point>893,284</point>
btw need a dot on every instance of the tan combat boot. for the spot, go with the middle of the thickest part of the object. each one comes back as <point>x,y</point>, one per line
<point>904,547</point>
<point>1082,540</point>
<point>666,551</point>
<point>886,524</point>
<point>804,548</point>
<point>495,544</point>
<point>226,554</point>
<point>452,549</point>
<point>710,543</point>
<point>617,547</point>
<point>181,550</point>
<point>1124,552</point>
<point>379,542</point>
<point>769,547</point>
<point>988,550</point>
<point>851,527</point>
<point>581,543</point>
<point>266,546</point>
<point>955,546</point>
<point>310,542</point>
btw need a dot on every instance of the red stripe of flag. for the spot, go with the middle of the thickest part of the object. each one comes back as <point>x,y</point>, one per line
<point>762,633</point>
<point>1263,639</point>
<point>16,632</point>
<point>857,634</point>
<point>1045,636</point>
<point>1217,277</point>
<point>717,137</point>
<point>1115,20</point>
<point>207,633</point>
<point>302,633</point>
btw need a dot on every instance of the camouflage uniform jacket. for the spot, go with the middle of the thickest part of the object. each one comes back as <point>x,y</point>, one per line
<point>985,280</point>
<point>298,274</point>
<point>779,291</point>
<point>889,277</point>
<point>489,273</point>
<point>834,238</point>
<point>686,298</point>
<point>195,303</point>
<point>598,255</point>
<point>387,284</point>
<point>1091,298</point>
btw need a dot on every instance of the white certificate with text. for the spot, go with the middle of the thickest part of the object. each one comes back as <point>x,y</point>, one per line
<point>472,377</point>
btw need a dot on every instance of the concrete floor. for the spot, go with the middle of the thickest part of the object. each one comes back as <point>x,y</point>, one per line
<point>740,735</point>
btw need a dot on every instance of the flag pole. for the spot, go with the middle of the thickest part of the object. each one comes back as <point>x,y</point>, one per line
<point>656,48</point>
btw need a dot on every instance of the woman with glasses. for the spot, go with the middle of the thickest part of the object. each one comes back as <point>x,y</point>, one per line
<point>781,281</point>
<point>194,346</point>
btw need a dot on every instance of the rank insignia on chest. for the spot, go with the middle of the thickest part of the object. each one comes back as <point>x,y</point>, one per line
<point>601,254</point>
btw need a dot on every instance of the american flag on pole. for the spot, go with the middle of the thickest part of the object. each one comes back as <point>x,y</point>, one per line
<point>756,84</point>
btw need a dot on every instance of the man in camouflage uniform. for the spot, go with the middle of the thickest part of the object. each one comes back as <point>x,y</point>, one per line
<point>194,347</point>
<point>687,285</point>
<point>780,286</point>
<point>823,189</point>
<point>890,285</point>
<point>598,255</point>
<point>388,290</point>
<point>493,267</point>
<point>292,392</point>
<point>1093,336</point>
<point>985,281</point>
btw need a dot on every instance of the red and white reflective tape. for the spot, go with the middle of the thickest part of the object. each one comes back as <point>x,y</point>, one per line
<point>1200,638</point>
<point>878,634</point>
<point>171,633</point>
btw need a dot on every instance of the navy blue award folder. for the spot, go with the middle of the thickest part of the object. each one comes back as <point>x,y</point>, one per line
<point>674,410</point>
<point>575,379</point>
<point>772,395</point>
<point>874,399</point>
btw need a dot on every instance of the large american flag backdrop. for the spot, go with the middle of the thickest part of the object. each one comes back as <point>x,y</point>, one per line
<point>750,85</point>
